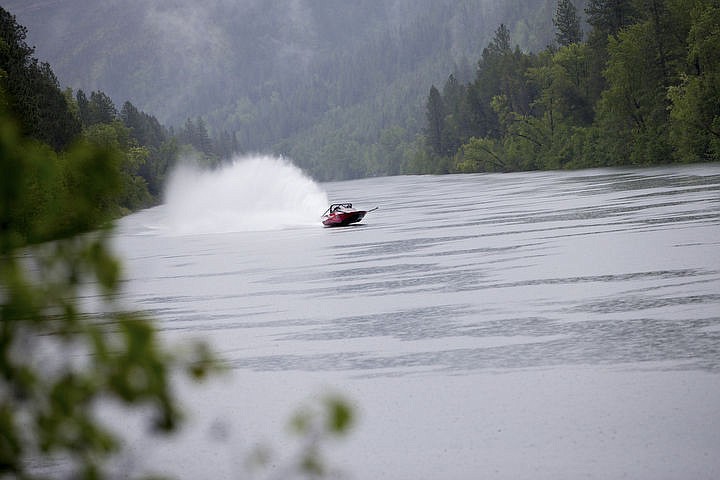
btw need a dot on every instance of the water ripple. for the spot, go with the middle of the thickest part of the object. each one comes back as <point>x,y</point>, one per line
<point>458,273</point>
<point>644,341</point>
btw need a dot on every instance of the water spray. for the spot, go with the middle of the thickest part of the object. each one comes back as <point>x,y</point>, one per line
<point>252,193</point>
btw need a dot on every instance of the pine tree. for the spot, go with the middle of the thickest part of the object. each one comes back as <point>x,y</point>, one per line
<point>435,121</point>
<point>83,108</point>
<point>454,97</point>
<point>608,17</point>
<point>32,91</point>
<point>501,42</point>
<point>101,108</point>
<point>567,24</point>
<point>144,128</point>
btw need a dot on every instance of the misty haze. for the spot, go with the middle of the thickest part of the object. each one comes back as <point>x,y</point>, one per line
<point>534,292</point>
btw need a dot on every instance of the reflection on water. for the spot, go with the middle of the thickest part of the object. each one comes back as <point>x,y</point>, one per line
<point>496,271</point>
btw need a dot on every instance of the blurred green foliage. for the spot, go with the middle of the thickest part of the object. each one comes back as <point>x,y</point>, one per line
<point>57,362</point>
<point>330,417</point>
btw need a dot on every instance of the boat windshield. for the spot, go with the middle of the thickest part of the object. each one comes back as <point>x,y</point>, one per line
<point>339,207</point>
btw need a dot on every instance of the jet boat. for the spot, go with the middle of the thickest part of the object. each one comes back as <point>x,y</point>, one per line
<point>342,214</point>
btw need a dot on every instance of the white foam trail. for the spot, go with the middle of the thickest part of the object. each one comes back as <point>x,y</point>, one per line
<point>253,193</point>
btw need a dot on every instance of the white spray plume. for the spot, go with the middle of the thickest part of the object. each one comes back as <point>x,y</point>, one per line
<point>253,193</point>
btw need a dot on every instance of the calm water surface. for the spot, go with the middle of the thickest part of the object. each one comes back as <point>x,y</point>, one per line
<point>532,325</point>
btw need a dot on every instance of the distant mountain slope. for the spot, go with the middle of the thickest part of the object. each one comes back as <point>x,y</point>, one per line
<point>271,71</point>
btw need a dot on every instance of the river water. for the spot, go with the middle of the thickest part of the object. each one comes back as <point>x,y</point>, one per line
<point>542,325</point>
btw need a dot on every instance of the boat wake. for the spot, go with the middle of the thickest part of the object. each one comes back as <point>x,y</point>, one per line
<point>253,193</point>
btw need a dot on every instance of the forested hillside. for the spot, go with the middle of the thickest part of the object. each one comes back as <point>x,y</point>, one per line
<point>642,88</point>
<point>344,88</point>
<point>338,86</point>
<point>58,122</point>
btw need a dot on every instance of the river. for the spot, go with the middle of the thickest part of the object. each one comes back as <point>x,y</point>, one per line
<point>541,325</point>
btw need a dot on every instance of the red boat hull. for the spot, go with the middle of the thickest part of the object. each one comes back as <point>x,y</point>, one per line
<point>341,219</point>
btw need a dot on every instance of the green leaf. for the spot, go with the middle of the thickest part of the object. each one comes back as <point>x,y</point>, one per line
<point>339,415</point>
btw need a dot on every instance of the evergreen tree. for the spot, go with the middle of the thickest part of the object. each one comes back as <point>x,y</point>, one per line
<point>454,97</point>
<point>83,108</point>
<point>500,44</point>
<point>132,119</point>
<point>435,115</point>
<point>608,17</point>
<point>203,142</point>
<point>488,83</point>
<point>101,109</point>
<point>32,91</point>
<point>567,24</point>
<point>144,128</point>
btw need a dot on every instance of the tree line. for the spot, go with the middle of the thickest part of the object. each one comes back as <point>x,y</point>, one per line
<point>143,149</point>
<point>632,83</point>
<point>642,89</point>
<point>341,92</point>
